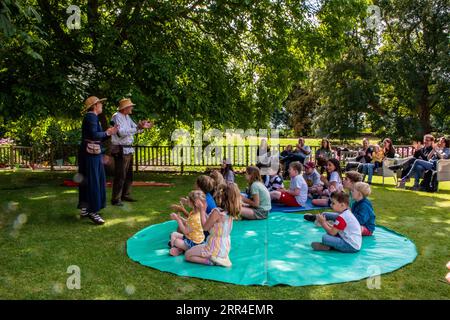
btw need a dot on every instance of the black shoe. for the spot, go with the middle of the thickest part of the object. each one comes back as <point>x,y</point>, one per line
<point>84,213</point>
<point>117,203</point>
<point>395,167</point>
<point>310,217</point>
<point>96,218</point>
<point>129,199</point>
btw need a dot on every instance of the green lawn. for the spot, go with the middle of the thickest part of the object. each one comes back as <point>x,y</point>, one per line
<point>35,254</point>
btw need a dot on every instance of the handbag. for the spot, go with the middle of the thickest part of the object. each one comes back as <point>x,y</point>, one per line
<point>93,147</point>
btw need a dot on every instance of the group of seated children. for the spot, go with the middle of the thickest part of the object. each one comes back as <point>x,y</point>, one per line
<point>353,217</point>
<point>203,233</point>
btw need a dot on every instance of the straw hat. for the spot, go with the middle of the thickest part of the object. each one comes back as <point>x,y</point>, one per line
<point>125,103</point>
<point>89,102</point>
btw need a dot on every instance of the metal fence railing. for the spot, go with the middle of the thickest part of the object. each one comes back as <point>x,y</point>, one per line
<point>178,158</point>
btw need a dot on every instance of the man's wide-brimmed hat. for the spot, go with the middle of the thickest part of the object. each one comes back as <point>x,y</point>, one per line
<point>89,102</point>
<point>125,103</point>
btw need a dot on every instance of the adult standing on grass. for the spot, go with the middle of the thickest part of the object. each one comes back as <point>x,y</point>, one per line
<point>92,193</point>
<point>122,151</point>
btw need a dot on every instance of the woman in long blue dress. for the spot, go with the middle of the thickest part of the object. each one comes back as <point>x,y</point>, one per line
<point>92,192</point>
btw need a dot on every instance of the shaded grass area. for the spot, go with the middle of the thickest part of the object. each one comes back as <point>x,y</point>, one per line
<point>41,235</point>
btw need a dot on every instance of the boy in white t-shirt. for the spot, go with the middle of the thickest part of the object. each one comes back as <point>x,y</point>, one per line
<point>297,194</point>
<point>345,234</point>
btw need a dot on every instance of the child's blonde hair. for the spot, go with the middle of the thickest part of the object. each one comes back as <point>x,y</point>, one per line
<point>218,178</point>
<point>228,197</point>
<point>363,188</point>
<point>354,176</point>
<point>195,195</point>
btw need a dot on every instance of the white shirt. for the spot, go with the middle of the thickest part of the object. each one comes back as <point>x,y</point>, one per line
<point>334,177</point>
<point>298,182</point>
<point>349,229</point>
<point>127,129</point>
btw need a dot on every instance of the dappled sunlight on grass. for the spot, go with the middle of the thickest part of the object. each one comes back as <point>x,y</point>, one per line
<point>54,237</point>
<point>43,197</point>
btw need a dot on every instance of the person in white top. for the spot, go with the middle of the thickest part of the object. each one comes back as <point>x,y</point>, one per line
<point>345,233</point>
<point>122,151</point>
<point>297,194</point>
<point>333,183</point>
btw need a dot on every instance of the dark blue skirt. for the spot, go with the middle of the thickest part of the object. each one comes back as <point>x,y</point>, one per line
<point>92,189</point>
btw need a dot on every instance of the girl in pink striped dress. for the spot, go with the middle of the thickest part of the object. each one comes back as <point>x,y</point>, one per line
<point>219,224</point>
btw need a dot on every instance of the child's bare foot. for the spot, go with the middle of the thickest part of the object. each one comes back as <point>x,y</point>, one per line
<point>317,246</point>
<point>174,251</point>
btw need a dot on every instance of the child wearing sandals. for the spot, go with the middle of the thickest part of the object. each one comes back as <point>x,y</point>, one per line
<point>362,208</point>
<point>333,183</point>
<point>219,224</point>
<point>297,194</point>
<point>258,203</point>
<point>345,233</point>
<point>191,228</point>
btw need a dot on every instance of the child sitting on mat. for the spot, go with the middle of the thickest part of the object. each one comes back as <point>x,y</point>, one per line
<point>312,178</point>
<point>333,183</point>
<point>219,224</point>
<point>345,233</point>
<point>191,228</point>
<point>297,194</point>
<point>351,177</point>
<point>205,184</point>
<point>362,208</point>
<point>274,180</point>
<point>258,203</point>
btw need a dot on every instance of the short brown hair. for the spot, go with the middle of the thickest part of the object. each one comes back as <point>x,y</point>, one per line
<point>217,177</point>
<point>354,176</point>
<point>205,183</point>
<point>341,197</point>
<point>297,166</point>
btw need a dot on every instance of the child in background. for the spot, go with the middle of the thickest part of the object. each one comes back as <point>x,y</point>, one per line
<point>333,183</point>
<point>191,229</point>
<point>351,177</point>
<point>312,178</point>
<point>345,234</point>
<point>297,194</point>
<point>274,181</point>
<point>258,202</point>
<point>362,208</point>
<point>227,171</point>
<point>219,224</point>
<point>377,156</point>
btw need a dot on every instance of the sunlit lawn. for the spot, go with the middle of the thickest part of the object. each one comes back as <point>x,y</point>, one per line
<point>41,235</point>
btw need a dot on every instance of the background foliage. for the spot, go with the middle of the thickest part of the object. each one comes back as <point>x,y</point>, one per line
<point>311,67</point>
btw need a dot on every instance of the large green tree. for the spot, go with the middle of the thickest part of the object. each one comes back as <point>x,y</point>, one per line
<point>228,63</point>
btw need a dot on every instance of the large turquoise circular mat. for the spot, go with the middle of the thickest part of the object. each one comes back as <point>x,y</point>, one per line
<point>277,251</point>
